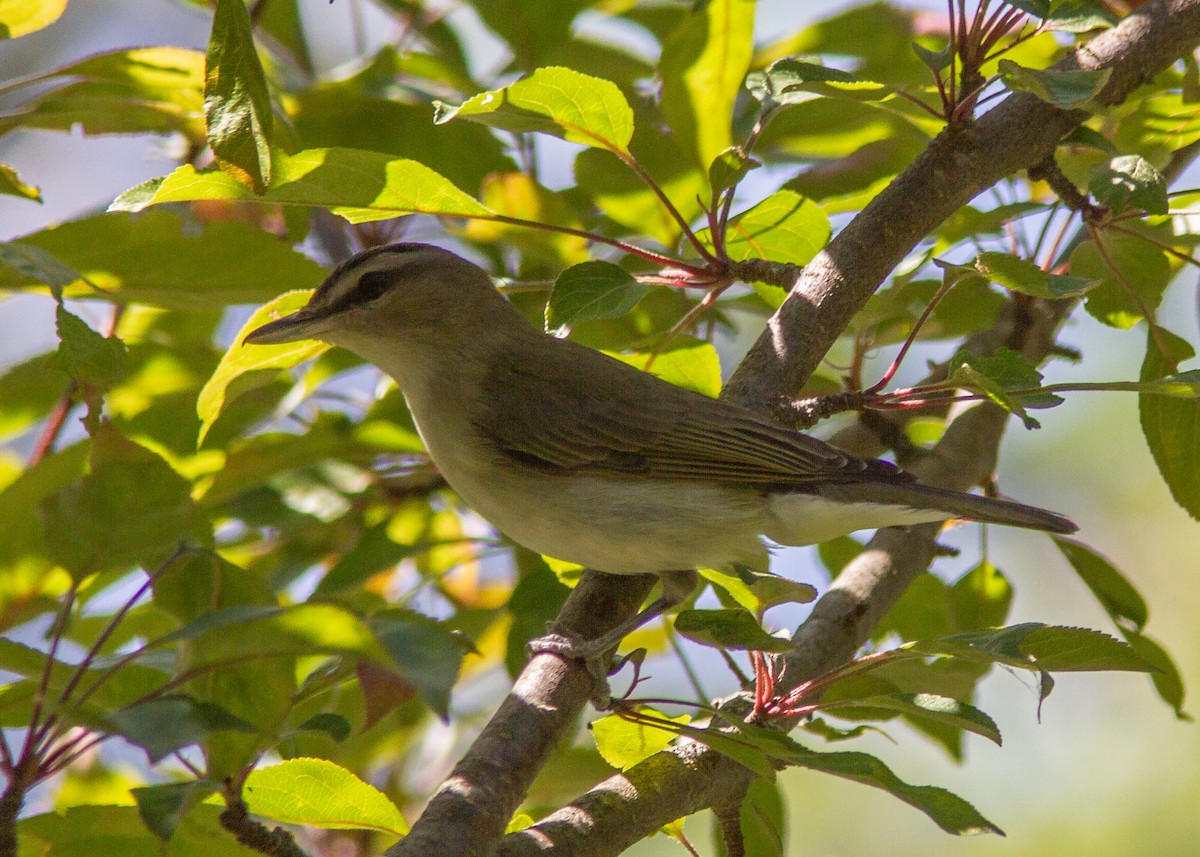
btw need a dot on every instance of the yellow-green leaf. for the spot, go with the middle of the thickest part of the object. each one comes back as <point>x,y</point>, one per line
<point>623,743</point>
<point>355,184</point>
<point>21,17</point>
<point>558,101</point>
<point>319,793</point>
<point>242,358</point>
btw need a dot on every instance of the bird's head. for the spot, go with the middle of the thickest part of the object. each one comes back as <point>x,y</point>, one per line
<point>391,292</point>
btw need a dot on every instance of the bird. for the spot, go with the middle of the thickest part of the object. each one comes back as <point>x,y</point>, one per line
<point>579,456</point>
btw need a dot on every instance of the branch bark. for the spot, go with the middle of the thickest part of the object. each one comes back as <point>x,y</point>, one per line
<point>468,813</point>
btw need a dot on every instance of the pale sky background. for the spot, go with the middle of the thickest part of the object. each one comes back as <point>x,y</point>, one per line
<point>1107,771</point>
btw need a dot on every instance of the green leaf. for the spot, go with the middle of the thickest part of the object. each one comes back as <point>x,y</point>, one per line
<point>1167,679</point>
<point>153,259</point>
<point>428,654</point>
<point>591,290</point>
<point>534,31</point>
<point>162,807</point>
<point>935,61</point>
<point>86,356</point>
<point>981,598</point>
<point>358,185</point>
<point>995,376</point>
<point>624,742</point>
<point>318,793</point>
<point>21,17</point>
<point>784,227</point>
<point>946,809</point>
<point>132,509</point>
<point>1172,426</point>
<point>237,103</point>
<point>702,67</point>
<point>1181,385</point>
<point>1131,276</point>
<point>1061,88</point>
<point>729,168</point>
<point>941,709</point>
<point>11,185</point>
<point>794,81</point>
<point>1112,589</point>
<point>119,831</point>
<point>1023,276</point>
<point>169,723</point>
<point>1034,646</point>
<point>558,101</point>
<point>1129,180</point>
<point>731,628</point>
<point>241,358</point>
<point>685,362</point>
<point>156,90</point>
<point>29,390</point>
<point>757,591</point>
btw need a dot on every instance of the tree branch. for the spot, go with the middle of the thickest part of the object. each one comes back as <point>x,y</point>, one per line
<point>468,813</point>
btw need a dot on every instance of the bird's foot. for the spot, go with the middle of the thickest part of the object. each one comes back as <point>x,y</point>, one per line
<point>596,656</point>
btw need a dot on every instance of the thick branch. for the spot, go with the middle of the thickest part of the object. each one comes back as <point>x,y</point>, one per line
<point>957,166</point>
<point>470,810</point>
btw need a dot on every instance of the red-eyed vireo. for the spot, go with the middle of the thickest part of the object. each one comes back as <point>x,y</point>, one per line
<point>578,456</point>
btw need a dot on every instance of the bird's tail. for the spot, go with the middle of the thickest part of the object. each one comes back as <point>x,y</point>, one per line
<point>954,504</point>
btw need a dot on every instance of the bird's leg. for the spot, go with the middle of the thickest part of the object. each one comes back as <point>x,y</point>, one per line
<point>597,654</point>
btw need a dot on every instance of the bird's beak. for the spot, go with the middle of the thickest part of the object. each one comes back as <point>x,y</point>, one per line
<point>302,324</point>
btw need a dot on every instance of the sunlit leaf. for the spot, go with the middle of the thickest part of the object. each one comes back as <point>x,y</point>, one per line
<point>21,17</point>
<point>1027,278</point>
<point>1129,180</point>
<point>237,103</point>
<point>241,358</point>
<point>1112,589</point>
<point>11,185</point>
<point>624,742</point>
<point>318,793</point>
<point>685,362</point>
<point>358,185</point>
<point>702,67</point>
<point>1130,276</point>
<point>732,628</point>
<point>558,101</point>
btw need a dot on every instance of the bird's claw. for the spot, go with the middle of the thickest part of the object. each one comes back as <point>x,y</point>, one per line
<point>597,661</point>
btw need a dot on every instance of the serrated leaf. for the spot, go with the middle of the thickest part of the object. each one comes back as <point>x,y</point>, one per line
<point>1023,276</point>
<point>730,628</point>
<point>624,742</point>
<point>1034,646</point>
<point>942,709</point>
<point>21,17</point>
<point>555,100</point>
<point>318,793</point>
<point>591,290</point>
<point>946,809</point>
<point>996,376</point>
<point>685,362</point>
<point>1171,426</point>
<point>237,103</point>
<point>702,66</point>
<point>1061,88</point>
<point>86,356</point>
<point>784,227</point>
<point>169,723</point>
<point>1112,589</point>
<point>11,185</point>
<point>241,358</point>
<point>357,185</point>
<point>1129,180</point>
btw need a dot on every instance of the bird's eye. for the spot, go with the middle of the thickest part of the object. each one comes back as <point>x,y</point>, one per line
<point>372,284</point>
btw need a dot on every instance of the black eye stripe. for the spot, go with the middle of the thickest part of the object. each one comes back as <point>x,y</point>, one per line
<point>371,285</point>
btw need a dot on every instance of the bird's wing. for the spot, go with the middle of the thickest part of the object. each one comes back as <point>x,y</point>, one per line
<point>589,413</point>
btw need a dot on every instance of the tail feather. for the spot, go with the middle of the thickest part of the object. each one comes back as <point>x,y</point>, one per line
<point>955,504</point>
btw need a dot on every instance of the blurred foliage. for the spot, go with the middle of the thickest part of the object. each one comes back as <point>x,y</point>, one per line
<point>244,556</point>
